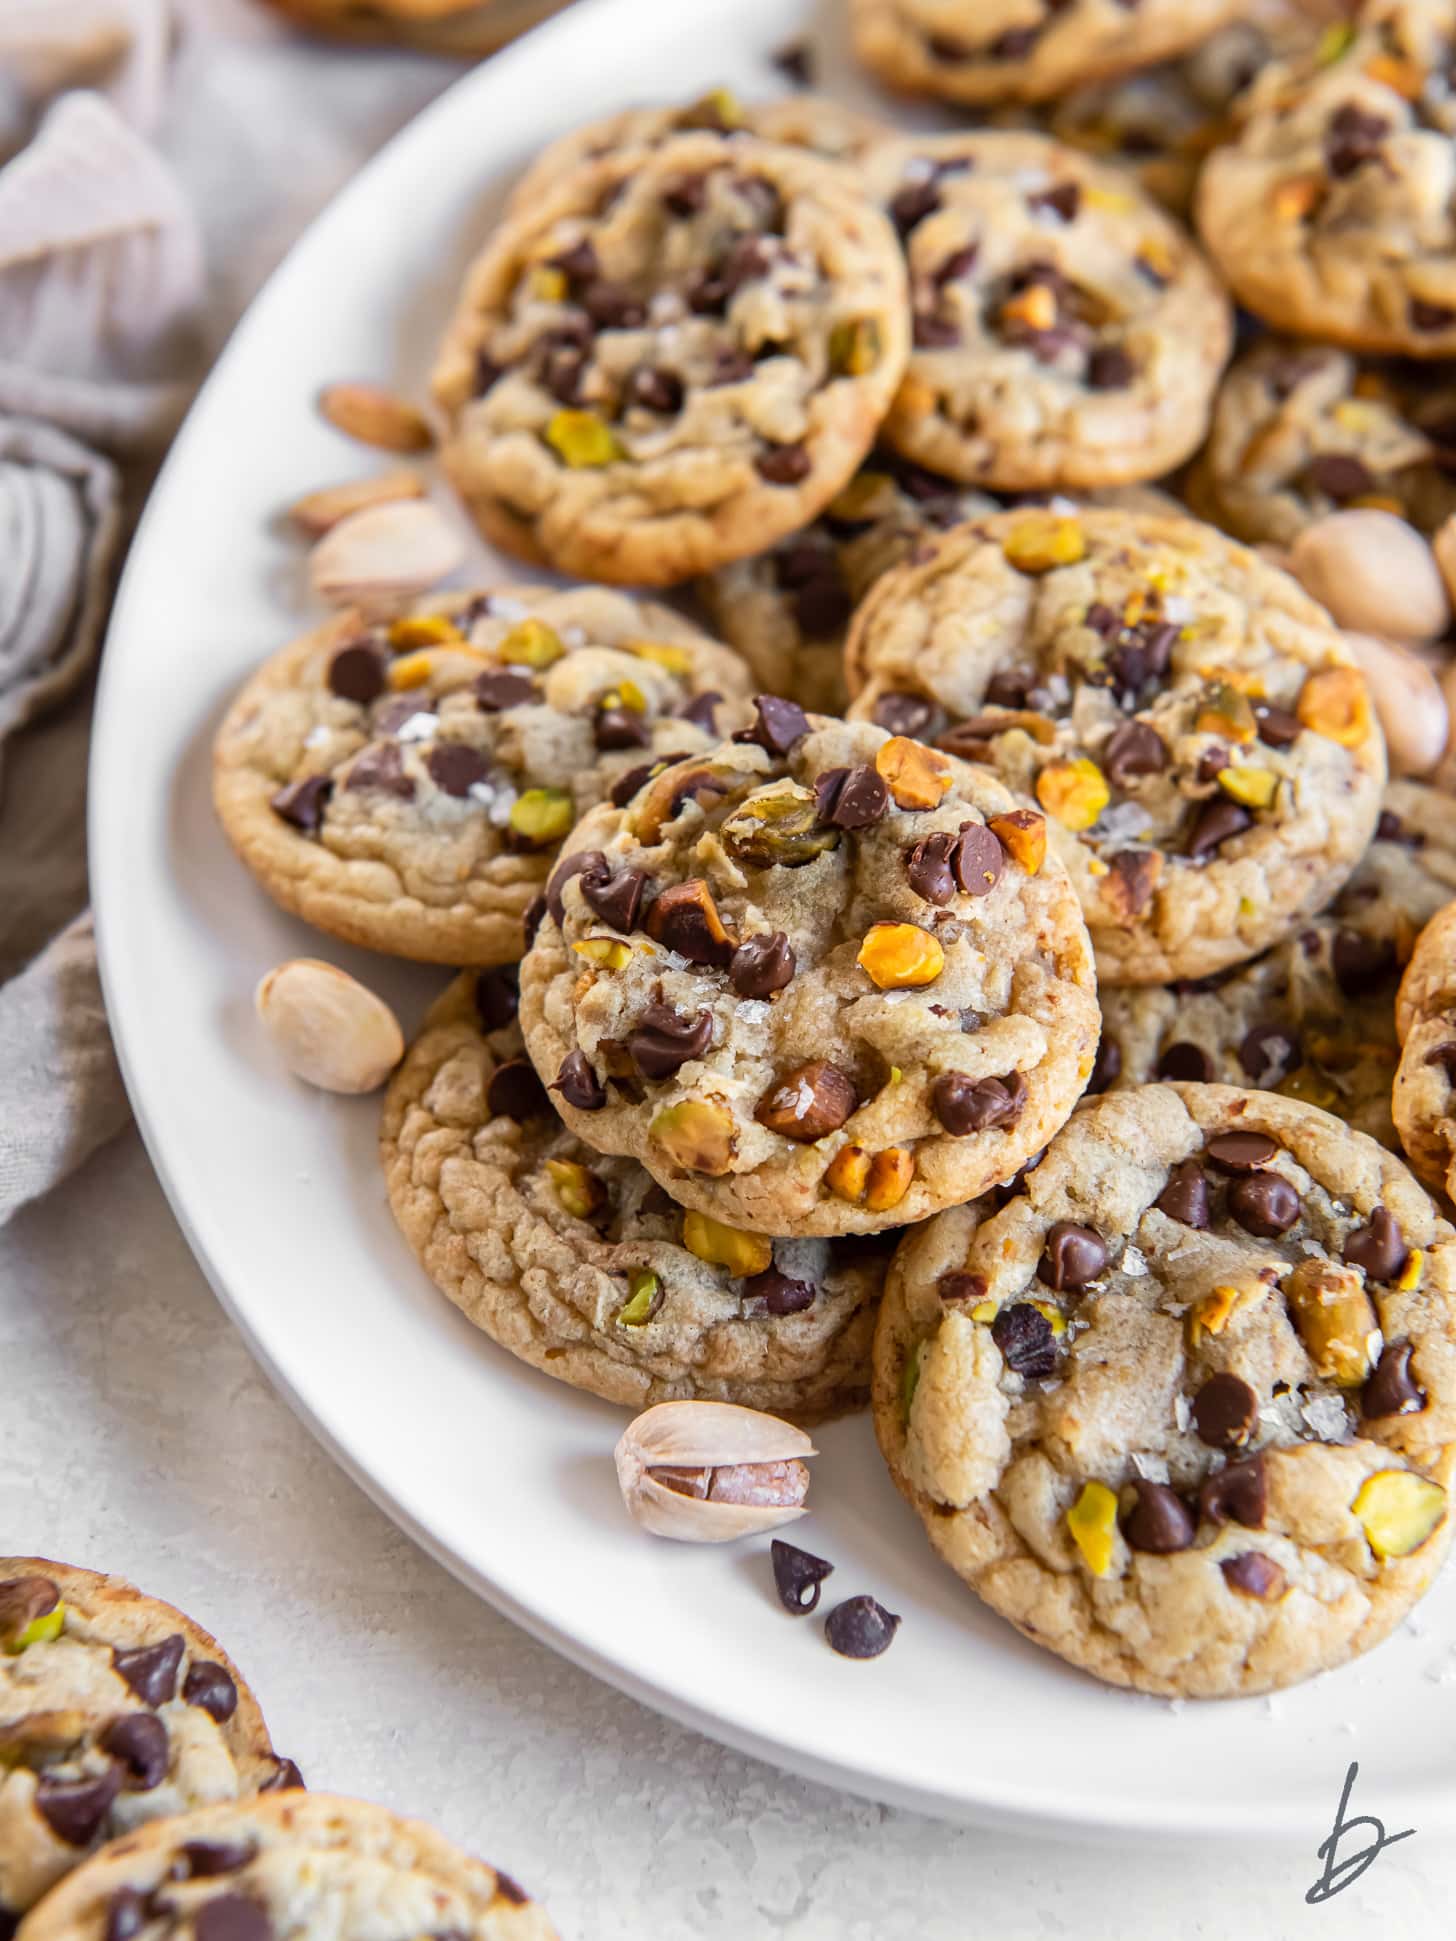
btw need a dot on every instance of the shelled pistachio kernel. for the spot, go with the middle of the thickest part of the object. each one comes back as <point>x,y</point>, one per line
<point>778,827</point>
<point>742,1254</point>
<point>1092,1521</point>
<point>1399,1511</point>
<point>610,952</point>
<point>1225,711</point>
<point>915,775</point>
<point>546,283</point>
<point>847,1174</point>
<point>31,1612</point>
<point>1335,703</point>
<point>540,816</point>
<point>900,956</point>
<point>580,1192</point>
<point>531,643</point>
<point>891,1174</point>
<point>582,440</point>
<point>422,630</point>
<point>696,1135</point>
<point>644,1297</point>
<point>1075,792</point>
<point>1212,1314</point>
<point>1022,834</point>
<point>672,660</point>
<point>1043,540</point>
<point>1409,1277</point>
<point>854,347</point>
<point>1255,788</point>
<point>1334,1318</point>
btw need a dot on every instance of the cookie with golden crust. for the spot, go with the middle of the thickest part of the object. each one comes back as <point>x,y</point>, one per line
<point>1183,1406</point>
<point>582,1266</point>
<point>309,1866</point>
<point>115,1711</point>
<point>1067,332</point>
<point>676,358</point>
<point>461,27</point>
<point>821,981</point>
<point>1425,1085</point>
<point>406,786</point>
<point>1191,721</point>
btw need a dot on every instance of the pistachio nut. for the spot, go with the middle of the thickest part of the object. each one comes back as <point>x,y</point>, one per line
<point>711,1472</point>
<point>385,555</point>
<point>1374,572</point>
<point>328,1028</point>
<point>316,512</point>
<point>375,416</point>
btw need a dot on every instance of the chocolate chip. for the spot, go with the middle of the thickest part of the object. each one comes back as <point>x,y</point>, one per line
<point>1254,1575</point>
<point>1268,1054</point>
<point>851,798</point>
<point>286,1778</point>
<point>76,1809</point>
<point>1240,1152</point>
<point>1430,316</point>
<point>22,1601</point>
<point>761,965</point>
<point>615,728</point>
<point>928,867</point>
<point>796,64</point>
<point>1388,828</point>
<point>1264,1204</point>
<point>774,1293</point>
<point>626,786</point>
<point>731,367</point>
<point>139,1741</point>
<point>1277,726</point>
<point>813,1099</point>
<point>381,768</point>
<point>778,724</point>
<point>959,264</point>
<point>1378,1247</point>
<point>126,1915</point>
<point>456,767</point>
<point>1024,1336</point>
<point>1339,475</point>
<point>210,1686</point>
<point>1135,749</point>
<point>356,673</point>
<point>1353,138</point>
<point>1062,200</point>
<point>576,864</point>
<point>1225,1411</point>
<point>664,1041</point>
<point>487,373</point>
<point>1212,763</point>
<point>1109,368</point>
<point>578,264</point>
<point>860,1628</point>
<point>616,897</point>
<point>964,1105</point>
<point>1392,1389</point>
<point>509,1890</point>
<point>798,1576</point>
<point>1185,1197</point>
<point>822,608</point>
<point>701,710</point>
<point>151,1669</point>
<point>655,390</point>
<point>1214,823</point>
<point>959,1286</point>
<point>978,860</point>
<point>904,714</point>
<point>1361,964</point>
<point>1159,1522</point>
<point>684,919</point>
<point>210,1859</point>
<point>515,1092</point>
<point>911,205</point>
<point>1186,1063</point>
<point>497,1000</point>
<point>685,195</point>
<point>783,464</point>
<point>531,918</point>
<point>303,803</point>
<point>1073,1257</point>
<point>578,1084</point>
<point>1014,44</point>
<point>1239,1493</point>
<point>231,1917</point>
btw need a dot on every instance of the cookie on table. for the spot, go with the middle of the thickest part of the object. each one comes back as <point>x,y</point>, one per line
<point>676,358</point>
<point>1067,332</point>
<point>821,981</point>
<point>581,1265</point>
<point>1302,430</point>
<point>406,786</point>
<point>1183,1409</point>
<point>115,1710</point>
<point>986,52</point>
<point>301,1867</point>
<point>467,28</point>
<point>1191,721</point>
<point>1331,214</point>
<point>826,128</point>
<point>1425,1085</point>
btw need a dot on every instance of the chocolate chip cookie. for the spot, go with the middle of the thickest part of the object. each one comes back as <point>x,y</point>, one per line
<point>581,1264</point>
<point>1066,331</point>
<point>675,359</point>
<point>1183,1408</point>
<point>989,51</point>
<point>115,1710</point>
<point>1206,753</point>
<point>1331,215</point>
<point>406,786</point>
<point>823,980</point>
<point>303,1865</point>
<point>1425,1084</point>
<point>467,28</point>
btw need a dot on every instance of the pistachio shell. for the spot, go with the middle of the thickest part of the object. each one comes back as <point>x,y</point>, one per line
<point>1408,700</point>
<point>329,1029</point>
<point>386,555</point>
<point>703,1435</point>
<point>318,512</point>
<point>1374,572</point>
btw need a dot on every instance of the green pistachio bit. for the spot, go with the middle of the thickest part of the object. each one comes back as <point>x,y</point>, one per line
<point>854,347</point>
<point>642,1298</point>
<point>40,1630</point>
<point>542,815</point>
<point>778,825</point>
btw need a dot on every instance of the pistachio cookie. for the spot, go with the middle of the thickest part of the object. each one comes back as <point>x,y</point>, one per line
<point>679,356</point>
<point>990,51</point>
<point>406,786</point>
<point>1191,721</point>
<point>464,28</point>
<point>1332,215</point>
<point>1183,1409</point>
<point>115,1710</point>
<point>1425,1085</point>
<point>301,1867</point>
<point>1302,430</point>
<point>1067,333</point>
<point>821,981</point>
<point>581,1265</point>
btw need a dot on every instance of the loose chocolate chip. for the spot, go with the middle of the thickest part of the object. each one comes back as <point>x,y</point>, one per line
<point>1240,1152</point>
<point>614,728</point>
<point>126,1915</point>
<point>860,1628</point>
<point>356,673</point>
<point>1135,749</point>
<point>138,1740</point>
<point>1024,1336</point>
<point>928,866</point>
<point>1225,1411</point>
<point>456,767</point>
<point>778,724</point>
<point>904,714</point>
<point>978,860</point>
<point>303,803</point>
<point>1264,1204</point>
<point>1159,1521</point>
<point>851,798</point>
<point>664,1042</point>
<point>75,1809</point>
<point>1186,1063</point>
<point>1073,1257</point>
<point>682,920</point>
<point>702,711</point>
<point>576,864</point>
<point>285,1779</point>
<point>617,898</point>
<point>1063,200</point>
<point>1110,368</point>
<point>207,1685</point>
<point>814,1099</point>
<point>1238,1493</point>
<point>1392,1389</point>
<point>531,918</point>
<point>1185,1197</point>
<point>959,1286</point>
<point>1277,726</point>
<point>1107,1066</point>
<point>774,1293</point>
<point>964,1105</point>
<point>1254,1575</point>
<point>1214,824</point>
<point>655,390</point>
<point>210,1859</point>
<point>497,1000</point>
<point>381,768</point>
<point>1378,1247</point>
<point>798,1576</point>
<point>515,1092</point>
<point>911,205</point>
<point>783,464</point>
<point>231,1917</point>
<point>1268,1054</point>
<point>761,965</point>
<point>1361,964</point>
<point>151,1670</point>
<point>578,1084</point>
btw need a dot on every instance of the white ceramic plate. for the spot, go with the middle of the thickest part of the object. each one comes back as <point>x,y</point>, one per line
<point>504,1475</point>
